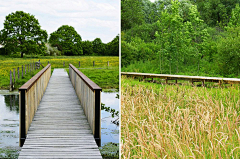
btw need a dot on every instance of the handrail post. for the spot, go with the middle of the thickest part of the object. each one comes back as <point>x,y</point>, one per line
<point>97,134</point>
<point>22,124</point>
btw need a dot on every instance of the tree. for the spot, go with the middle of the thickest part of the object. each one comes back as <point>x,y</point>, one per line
<point>215,12</point>
<point>198,34</point>
<point>67,40</point>
<point>22,33</point>
<point>87,48</point>
<point>170,37</point>
<point>131,13</point>
<point>235,17</point>
<point>228,58</point>
<point>98,47</point>
<point>113,47</point>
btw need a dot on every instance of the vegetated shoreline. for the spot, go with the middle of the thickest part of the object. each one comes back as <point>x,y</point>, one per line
<point>179,121</point>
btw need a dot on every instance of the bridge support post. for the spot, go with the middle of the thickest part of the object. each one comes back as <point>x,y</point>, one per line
<point>22,123</point>
<point>97,134</point>
<point>203,83</point>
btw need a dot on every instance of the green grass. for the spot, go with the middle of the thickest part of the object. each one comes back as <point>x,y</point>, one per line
<point>9,153</point>
<point>8,63</point>
<point>105,78</point>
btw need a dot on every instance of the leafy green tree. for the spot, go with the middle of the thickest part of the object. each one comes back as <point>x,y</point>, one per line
<point>215,12</point>
<point>131,13</point>
<point>22,33</point>
<point>98,47</point>
<point>113,47</point>
<point>228,57</point>
<point>87,48</point>
<point>128,53</point>
<point>145,31</point>
<point>67,40</point>
<point>235,17</point>
<point>170,37</point>
<point>198,35</point>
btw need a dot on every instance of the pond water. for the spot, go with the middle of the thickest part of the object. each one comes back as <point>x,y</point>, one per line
<point>9,125</point>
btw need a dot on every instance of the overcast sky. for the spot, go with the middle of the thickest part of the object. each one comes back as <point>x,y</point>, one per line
<point>90,18</point>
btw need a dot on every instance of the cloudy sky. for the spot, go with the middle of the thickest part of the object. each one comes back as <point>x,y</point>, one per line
<point>90,18</point>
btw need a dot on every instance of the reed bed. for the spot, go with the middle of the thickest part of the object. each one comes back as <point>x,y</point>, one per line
<point>163,121</point>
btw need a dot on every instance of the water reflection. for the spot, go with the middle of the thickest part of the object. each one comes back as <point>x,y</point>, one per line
<point>110,131</point>
<point>9,126</point>
<point>12,102</point>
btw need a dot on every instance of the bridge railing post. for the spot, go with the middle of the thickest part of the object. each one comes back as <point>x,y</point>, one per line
<point>22,120</point>
<point>97,134</point>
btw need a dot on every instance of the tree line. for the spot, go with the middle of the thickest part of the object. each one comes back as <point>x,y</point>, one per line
<point>181,37</point>
<point>22,35</point>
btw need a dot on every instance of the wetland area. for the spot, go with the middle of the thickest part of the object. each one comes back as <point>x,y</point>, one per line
<point>9,125</point>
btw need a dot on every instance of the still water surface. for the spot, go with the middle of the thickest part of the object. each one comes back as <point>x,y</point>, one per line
<point>9,122</point>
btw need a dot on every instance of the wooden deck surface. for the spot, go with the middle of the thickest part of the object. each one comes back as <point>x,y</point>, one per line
<point>183,77</point>
<point>60,128</point>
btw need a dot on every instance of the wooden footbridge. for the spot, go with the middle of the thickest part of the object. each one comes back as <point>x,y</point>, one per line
<point>192,79</point>
<point>60,122</point>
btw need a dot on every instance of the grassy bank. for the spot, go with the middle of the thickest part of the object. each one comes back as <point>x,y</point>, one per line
<point>7,64</point>
<point>168,121</point>
<point>107,79</point>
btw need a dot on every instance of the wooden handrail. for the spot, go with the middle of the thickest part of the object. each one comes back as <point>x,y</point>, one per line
<point>89,95</point>
<point>30,95</point>
<point>183,77</point>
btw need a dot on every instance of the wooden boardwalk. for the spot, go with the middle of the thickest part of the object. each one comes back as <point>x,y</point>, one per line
<point>183,77</point>
<point>60,128</point>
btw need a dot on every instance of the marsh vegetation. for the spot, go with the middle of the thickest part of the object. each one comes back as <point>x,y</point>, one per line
<point>172,121</point>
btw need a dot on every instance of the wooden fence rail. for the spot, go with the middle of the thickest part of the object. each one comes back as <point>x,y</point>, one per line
<point>79,63</point>
<point>13,76</point>
<point>29,98</point>
<point>89,95</point>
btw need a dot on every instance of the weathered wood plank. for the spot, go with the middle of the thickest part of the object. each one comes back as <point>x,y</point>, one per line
<point>59,128</point>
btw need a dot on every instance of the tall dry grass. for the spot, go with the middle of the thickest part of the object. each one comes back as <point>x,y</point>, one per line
<point>179,121</point>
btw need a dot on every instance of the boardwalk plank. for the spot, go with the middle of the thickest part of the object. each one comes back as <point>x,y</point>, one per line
<point>60,128</point>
